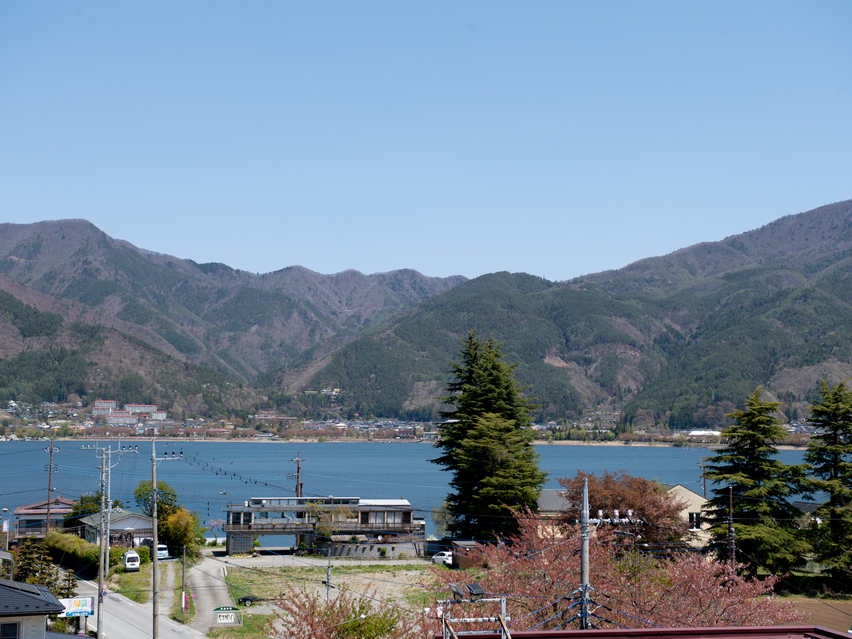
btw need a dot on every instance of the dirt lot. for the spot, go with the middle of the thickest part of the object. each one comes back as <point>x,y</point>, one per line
<point>390,583</point>
<point>829,613</point>
<point>400,584</point>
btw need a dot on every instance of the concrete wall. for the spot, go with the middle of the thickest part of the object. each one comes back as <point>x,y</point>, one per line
<point>367,550</point>
<point>239,543</point>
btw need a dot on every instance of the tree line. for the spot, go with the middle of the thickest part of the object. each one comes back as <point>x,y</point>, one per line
<point>769,530</point>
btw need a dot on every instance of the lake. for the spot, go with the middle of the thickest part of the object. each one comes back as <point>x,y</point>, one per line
<point>215,473</point>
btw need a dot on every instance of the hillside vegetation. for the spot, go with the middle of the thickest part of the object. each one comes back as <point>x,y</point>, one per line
<point>679,339</point>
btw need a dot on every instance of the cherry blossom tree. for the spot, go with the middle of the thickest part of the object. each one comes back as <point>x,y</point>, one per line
<point>349,614</point>
<point>538,571</point>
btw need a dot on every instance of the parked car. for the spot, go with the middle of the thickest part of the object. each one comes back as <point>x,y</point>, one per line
<point>248,600</point>
<point>130,560</point>
<point>444,557</point>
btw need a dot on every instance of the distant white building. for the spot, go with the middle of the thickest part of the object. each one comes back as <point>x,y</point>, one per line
<point>140,408</point>
<point>122,417</point>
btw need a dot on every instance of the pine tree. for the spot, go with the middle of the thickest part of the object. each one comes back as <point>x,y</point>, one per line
<point>829,453</point>
<point>764,519</point>
<point>67,588</point>
<point>495,469</point>
<point>33,565</point>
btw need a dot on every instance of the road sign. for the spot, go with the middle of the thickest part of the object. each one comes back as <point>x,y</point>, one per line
<point>78,607</point>
<point>225,616</point>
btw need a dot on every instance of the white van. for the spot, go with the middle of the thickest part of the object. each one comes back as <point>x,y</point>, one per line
<point>131,562</point>
<point>162,551</point>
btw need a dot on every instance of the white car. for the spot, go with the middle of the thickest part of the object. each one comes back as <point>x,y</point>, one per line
<point>443,557</point>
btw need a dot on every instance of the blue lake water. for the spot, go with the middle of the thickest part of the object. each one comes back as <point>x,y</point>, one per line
<point>215,473</point>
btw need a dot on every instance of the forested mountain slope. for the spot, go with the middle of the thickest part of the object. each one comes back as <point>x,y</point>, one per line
<point>681,338</point>
<point>236,322</point>
<point>45,356</point>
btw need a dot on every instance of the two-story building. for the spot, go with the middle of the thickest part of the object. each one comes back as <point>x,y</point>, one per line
<point>32,518</point>
<point>309,518</point>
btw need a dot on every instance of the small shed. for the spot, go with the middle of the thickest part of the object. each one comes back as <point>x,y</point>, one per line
<point>462,558</point>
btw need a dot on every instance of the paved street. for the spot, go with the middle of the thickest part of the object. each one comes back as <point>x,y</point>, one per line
<point>207,584</point>
<point>126,619</point>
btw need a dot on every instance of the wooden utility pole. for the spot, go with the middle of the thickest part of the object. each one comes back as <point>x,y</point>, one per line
<point>298,461</point>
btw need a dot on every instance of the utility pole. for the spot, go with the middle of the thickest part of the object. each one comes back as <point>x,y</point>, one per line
<point>183,582</point>
<point>298,478</point>
<point>105,521</point>
<point>298,461</point>
<point>584,558</point>
<point>732,535</point>
<point>51,448</point>
<point>327,574</point>
<point>155,570</point>
<point>155,575</point>
<point>101,539</point>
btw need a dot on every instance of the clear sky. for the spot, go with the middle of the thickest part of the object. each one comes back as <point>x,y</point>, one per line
<point>554,138</point>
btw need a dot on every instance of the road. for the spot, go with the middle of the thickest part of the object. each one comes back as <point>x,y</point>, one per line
<point>126,619</point>
<point>207,585</point>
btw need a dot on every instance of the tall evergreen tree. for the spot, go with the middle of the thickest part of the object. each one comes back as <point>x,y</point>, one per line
<point>495,469</point>
<point>830,455</point>
<point>764,519</point>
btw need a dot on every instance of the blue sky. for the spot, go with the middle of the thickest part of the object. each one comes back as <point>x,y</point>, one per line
<point>553,138</point>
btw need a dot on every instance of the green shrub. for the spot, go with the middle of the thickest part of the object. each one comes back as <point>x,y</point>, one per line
<point>144,554</point>
<point>86,552</point>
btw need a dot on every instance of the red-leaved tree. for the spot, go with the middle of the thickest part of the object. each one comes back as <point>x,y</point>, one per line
<point>623,492</point>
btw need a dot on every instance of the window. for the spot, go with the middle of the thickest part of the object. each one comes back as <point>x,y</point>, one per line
<point>395,517</point>
<point>10,630</point>
<point>695,521</point>
<point>377,517</point>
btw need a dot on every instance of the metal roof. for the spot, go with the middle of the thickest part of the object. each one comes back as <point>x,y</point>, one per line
<point>385,502</point>
<point>19,599</point>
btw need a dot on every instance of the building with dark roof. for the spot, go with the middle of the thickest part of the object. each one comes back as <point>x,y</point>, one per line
<point>32,518</point>
<point>24,609</point>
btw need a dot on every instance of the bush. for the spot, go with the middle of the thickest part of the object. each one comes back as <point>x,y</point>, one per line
<point>144,554</point>
<point>88,553</point>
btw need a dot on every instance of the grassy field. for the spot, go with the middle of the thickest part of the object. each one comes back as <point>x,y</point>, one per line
<point>399,583</point>
<point>133,585</point>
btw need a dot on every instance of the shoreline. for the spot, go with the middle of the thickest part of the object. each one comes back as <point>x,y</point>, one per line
<point>537,442</point>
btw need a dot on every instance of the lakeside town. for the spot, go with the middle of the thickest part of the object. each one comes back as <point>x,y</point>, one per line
<point>107,418</point>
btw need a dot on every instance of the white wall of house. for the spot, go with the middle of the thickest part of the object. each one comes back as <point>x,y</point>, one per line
<point>30,627</point>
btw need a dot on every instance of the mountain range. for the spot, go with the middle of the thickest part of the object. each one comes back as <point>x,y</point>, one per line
<point>679,339</point>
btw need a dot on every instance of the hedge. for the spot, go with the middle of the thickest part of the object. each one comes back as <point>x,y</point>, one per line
<point>89,553</point>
